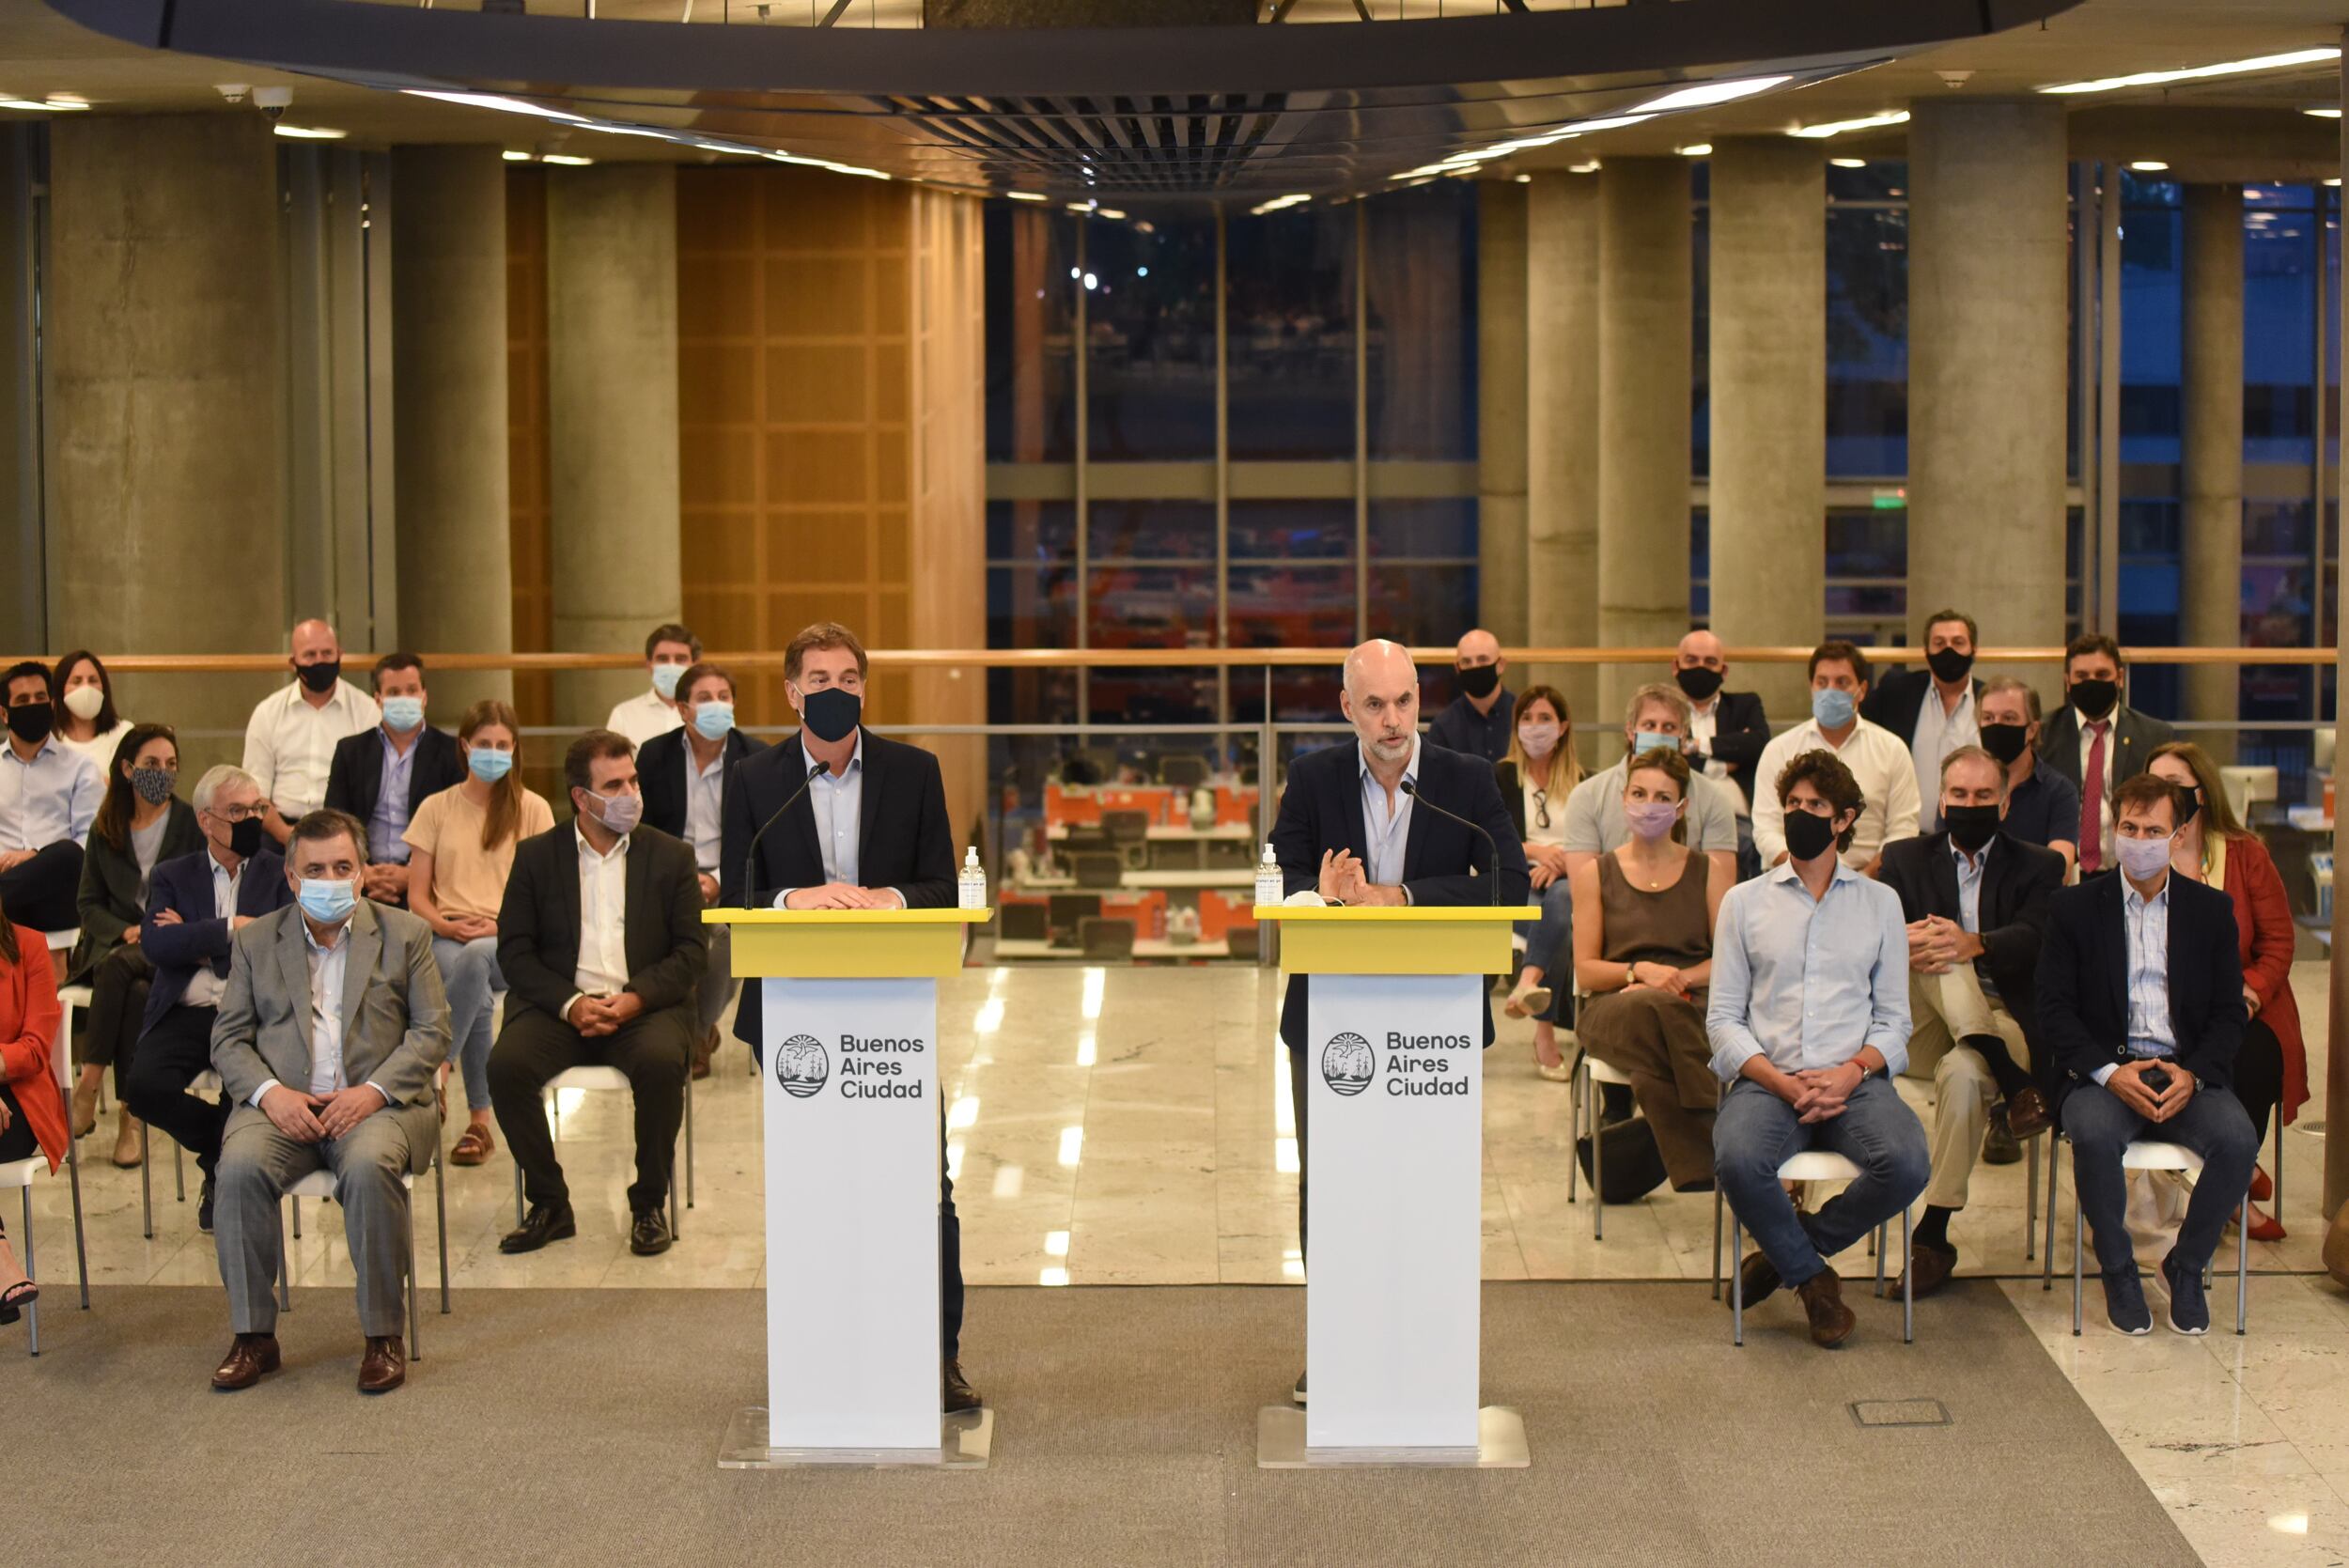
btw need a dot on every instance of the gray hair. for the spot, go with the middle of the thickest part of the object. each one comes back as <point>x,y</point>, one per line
<point>220,777</point>
<point>1659,692</point>
<point>1974,753</point>
<point>2013,683</point>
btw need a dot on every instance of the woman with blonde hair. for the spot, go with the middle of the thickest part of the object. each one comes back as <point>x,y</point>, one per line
<point>463,844</point>
<point>1535,777</point>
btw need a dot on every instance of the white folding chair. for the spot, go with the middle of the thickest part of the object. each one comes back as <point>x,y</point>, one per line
<point>202,1084</point>
<point>1810,1164</point>
<point>2150,1156</point>
<point>1583,1105</point>
<point>22,1173</point>
<point>320,1184</point>
<point>611,1080</point>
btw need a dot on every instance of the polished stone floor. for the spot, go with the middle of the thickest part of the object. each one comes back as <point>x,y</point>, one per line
<point>1132,1127</point>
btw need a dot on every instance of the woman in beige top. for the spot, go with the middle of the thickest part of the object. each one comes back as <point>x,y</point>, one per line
<point>1643,920</point>
<point>462,841</point>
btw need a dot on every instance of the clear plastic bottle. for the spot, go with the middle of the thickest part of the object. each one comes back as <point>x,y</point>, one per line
<point>971,887</point>
<point>1272,887</point>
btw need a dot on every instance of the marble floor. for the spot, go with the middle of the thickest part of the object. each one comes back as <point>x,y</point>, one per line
<point>1132,1127</point>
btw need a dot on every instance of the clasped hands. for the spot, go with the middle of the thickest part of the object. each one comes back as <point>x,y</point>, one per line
<point>311,1118</point>
<point>594,1016</point>
<point>841,895</point>
<point>1937,944</point>
<point>1346,879</point>
<point>2128,1084</point>
<point>1545,863</point>
<point>1819,1093</point>
<point>1659,977</point>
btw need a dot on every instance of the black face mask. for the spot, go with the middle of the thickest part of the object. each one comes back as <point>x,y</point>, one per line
<point>1698,682</point>
<point>1970,827</point>
<point>32,721</point>
<point>1808,835</point>
<point>2095,698</point>
<point>2006,742</point>
<point>1478,680</point>
<point>2190,805</point>
<point>244,838</point>
<point>830,713</point>
<point>320,676</point>
<point>1948,664</point>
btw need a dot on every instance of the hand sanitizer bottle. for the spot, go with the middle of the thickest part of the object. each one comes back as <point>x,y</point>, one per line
<point>1272,887</point>
<point>971,887</point>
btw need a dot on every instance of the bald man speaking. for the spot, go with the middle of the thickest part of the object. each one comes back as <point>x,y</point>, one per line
<point>1351,831</point>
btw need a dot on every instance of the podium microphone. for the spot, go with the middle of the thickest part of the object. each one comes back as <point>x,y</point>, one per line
<point>1412,790</point>
<point>749,856</point>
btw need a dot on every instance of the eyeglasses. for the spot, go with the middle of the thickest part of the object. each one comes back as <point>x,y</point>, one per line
<point>1540,808</point>
<point>236,813</point>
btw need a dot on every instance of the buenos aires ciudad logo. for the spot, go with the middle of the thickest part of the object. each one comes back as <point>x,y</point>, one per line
<point>802,1066</point>
<point>1347,1062</point>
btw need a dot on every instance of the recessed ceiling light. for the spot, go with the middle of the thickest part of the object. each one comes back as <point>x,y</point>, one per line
<point>310,132</point>
<point>1024,196</point>
<point>513,156</point>
<point>2149,165</point>
<point>54,107</point>
<point>569,161</point>
<point>1110,212</point>
<point>1525,179</point>
<point>1703,93</point>
<point>1590,167</point>
<point>1612,122</point>
<point>1695,149</point>
<point>1836,128</point>
<point>1849,163</point>
<point>2335,182</point>
<point>2193,74</point>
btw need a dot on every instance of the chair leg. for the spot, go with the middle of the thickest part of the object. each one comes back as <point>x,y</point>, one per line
<point>2242,1246</point>
<point>297,1208</point>
<point>1598,1166</point>
<point>285,1267</point>
<point>1573,1130</point>
<point>2277,1197</point>
<point>1736,1287</point>
<point>2030,1205</point>
<point>2047,1253</point>
<point>1717,1240</point>
<point>73,1169</point>
<point>440,1208</point>
<point>1908,1288</point>
<point>415,1335</point>
<point>32,1312</point>
<point>2079,1223</point>
<point>179,1172</point>
<point>689,1140</point>
<point>147,1186</point>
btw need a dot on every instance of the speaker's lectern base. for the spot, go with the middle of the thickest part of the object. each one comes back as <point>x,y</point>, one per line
<point>1281,1445</point>
<point>963,1441</point>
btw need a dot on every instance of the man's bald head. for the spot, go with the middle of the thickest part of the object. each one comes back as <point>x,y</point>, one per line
<point>1699,648</point>
<point>1381,698</point>
<point>1478,648</point>
<point>313,641</point>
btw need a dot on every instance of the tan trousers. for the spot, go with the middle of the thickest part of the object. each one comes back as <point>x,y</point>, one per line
<point>1945,1008</point>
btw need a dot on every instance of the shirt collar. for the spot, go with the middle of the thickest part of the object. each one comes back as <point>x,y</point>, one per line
<point>342,935</point>
<point>1784,872</point>
<point>2136,900</point>
<point>856,760</point>
<point>1361,761</point>
<point>587,850</point>
<point>48,743</point>
<point>1971,862</point>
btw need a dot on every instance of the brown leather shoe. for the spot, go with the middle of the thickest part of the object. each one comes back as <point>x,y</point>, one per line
<point>956,1394</point>
<point>2026,1112</point>
<point>702,1053</point>
<point>1760,1280</point>
<point>130,1141</point>
<point>1823,1298</point>
<point>1929,1268</point>
<point>384,1367</point>
<point>250,1359</point>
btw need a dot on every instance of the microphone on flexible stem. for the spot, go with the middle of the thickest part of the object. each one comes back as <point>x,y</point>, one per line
<point>749,856</point>
<point>1412,790</point>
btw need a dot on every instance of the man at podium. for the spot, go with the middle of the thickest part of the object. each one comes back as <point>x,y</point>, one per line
<point>1389,820</point>
<point>837,818</point>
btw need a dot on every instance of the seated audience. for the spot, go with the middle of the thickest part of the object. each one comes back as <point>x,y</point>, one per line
<point>601,940</point>
<point>32,1114</point>
<point>670,650</point>
<point>196,906</point>
<point>1644,950</point>
<point>1535,778</point>
<point>2140,1003</point>
<point>140,824</point>
<point>1655,720</point>
<point>87,720</point>
<point>1873,756</point>
<point>1477,720</point>
<point>2043,807</point>
<point>1933,709</point>
<point>1808,1020</point>
<point>381,775</point>
<point>1976,902</point>
<point>2271,1070</point>
<point>684,774</point>
<point>48,799</point>
<point>290,741</point>
<point>462,846</point>
<point>330,1028</point>
<point>2095,741</point>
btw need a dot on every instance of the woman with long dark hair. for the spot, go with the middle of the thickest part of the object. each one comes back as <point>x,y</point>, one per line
<point>87,720</point>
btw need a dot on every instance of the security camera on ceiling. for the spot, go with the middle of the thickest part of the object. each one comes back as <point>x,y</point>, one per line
<point>272,101</point>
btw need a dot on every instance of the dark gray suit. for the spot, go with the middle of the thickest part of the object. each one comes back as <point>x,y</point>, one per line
<point>2134,738</point>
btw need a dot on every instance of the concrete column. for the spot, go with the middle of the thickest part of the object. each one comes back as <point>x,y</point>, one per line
<point>448,389</point>
<point>1500,409</point>
<point>2337,1012</point>
<point>1988,345</point>
<point>2212,417</point>
<point>1768,379</point>
<point>1644,379</point>
<point>613,420</point>
<point>164,358</point>
<point>1562,403</point>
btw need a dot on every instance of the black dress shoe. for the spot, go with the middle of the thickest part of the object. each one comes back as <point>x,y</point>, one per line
<point>204,1207</point>
<point>544,1224</point>
<point>956,1394</point>
<point>648,1235</point>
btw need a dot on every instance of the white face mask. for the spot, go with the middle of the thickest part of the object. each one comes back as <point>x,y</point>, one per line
<point>83,702</point>
<point>1539,740</point>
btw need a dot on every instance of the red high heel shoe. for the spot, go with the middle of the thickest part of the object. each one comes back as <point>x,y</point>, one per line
<point>2265,1226</point>
<point>2262,1189</point>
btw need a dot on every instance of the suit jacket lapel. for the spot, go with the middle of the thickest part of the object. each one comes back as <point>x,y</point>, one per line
<point>564,886</point>
<point>804,813</point>
<point>1350,805</point>
<point>868,813</point>
<point>1414,831</point>
<point>365,937</point>
<point>636,897</point>
<point>2116,924</point>
<point>1941,865</point>
<point>293,965</point>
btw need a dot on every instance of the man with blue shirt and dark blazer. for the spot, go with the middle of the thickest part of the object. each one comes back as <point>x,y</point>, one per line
<point>381,775</point>
<point>196,904</point>
<point>1348,833</point>
<point>2141,1001</point>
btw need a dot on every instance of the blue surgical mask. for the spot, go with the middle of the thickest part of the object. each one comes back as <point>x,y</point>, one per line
<point>488,764</point>
<point>329,903</point>
<point>713,719</point>
<point>1832,708</point>
<point>403,713</point>
<point>664,679</point>
<point>1653,740</point>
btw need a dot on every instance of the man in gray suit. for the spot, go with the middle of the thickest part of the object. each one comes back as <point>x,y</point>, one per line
<point>330,1029</point>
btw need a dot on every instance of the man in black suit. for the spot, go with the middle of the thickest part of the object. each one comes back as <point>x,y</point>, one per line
<point>684,773</point>
<point>866,829</point>
<point>2095,739</point>
<point>380,776</point>
<point>1976,904</point>
<point>1727,730</point>
<point>1347,832</point>
<point>2140,1003</point>
<point>1931,709</point>
<point>601,941</point>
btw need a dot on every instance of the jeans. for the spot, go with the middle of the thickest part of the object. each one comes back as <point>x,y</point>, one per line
<point>1755,1132</point>
<point>2212,1123</point>
<point>470,974</point>
<point>1551,946</point>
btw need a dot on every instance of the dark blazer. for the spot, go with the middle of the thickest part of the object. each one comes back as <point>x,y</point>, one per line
<point>1740,730</point>
<point>2133,736</point>
<point>108,900</point>
<point>1896,700</point>
<point>355,777</point>
<point>1321,809</point>
<point>200,938</point>
<point>538,922</point>
<point>903,840</point>
<point>661,773</point>
<point>2083,980</point>
<point>2016,882</point>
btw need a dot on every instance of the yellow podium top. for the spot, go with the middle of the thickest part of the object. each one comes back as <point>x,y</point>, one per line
<point>1454,938</point>
<point>846,944</point>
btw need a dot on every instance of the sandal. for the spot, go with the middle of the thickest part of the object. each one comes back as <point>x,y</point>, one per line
<point>1527,1000</point>
<point>22,1294</point>
<point>473,1146</point>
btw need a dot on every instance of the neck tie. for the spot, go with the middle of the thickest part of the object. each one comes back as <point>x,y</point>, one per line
<point>2092,801</point>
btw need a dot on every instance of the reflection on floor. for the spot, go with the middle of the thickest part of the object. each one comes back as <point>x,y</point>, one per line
<point>1131,1127</point>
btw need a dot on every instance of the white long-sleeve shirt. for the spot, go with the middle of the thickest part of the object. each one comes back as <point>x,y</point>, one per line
<point>1888,785</point>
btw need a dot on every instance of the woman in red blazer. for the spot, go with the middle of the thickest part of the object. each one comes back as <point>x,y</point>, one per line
<point>2272,1071</point>
<point>32,1107</point>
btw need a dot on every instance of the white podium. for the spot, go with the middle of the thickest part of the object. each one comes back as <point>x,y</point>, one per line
<point>1395,1155</point>
<point>852,1152</point>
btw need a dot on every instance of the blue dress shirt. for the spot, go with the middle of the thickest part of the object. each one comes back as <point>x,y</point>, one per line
<point>1806,981</point>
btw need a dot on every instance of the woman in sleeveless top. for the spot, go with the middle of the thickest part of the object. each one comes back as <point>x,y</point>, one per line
<point>1644,950</point>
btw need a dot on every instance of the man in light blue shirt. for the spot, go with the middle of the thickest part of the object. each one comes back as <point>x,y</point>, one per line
<point>1809,1020</point>
<point>49,796</point>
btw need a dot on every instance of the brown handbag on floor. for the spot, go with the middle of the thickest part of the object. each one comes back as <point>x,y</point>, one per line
<point>1634,1164</point>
